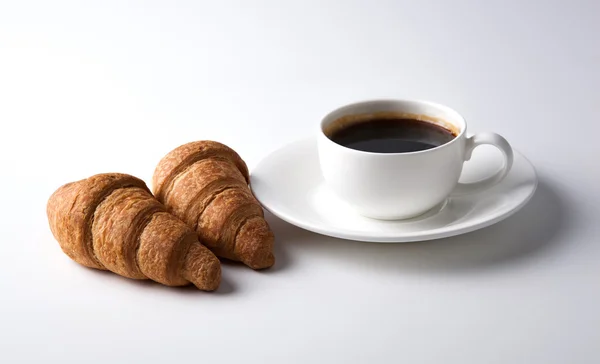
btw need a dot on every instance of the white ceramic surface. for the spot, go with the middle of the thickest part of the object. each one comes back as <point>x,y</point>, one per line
<point>392,186</point>
<point>288,183</point>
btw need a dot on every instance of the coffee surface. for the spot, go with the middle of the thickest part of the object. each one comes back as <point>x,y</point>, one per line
<point>392,135</point>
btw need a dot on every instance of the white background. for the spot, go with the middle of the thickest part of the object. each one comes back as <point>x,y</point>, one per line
<point>90,87</point>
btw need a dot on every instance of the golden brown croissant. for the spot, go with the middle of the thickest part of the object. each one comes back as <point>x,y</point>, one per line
<point>205,184</point>
<point>112,222</point>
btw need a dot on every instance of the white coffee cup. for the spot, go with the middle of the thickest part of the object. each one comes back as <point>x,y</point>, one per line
<point>392,186</point>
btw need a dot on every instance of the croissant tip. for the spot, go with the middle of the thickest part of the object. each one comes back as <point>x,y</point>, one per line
<point>261,262</point>
<point>202,268</point>
<point>211,280</point>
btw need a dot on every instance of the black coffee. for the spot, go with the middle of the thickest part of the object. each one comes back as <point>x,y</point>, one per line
<point>392,135</point>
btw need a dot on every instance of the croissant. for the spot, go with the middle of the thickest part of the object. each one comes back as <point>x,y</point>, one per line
<point>112,222</point>
<point>205,184</point>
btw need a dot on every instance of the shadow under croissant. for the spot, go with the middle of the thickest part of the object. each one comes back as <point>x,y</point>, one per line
<point>225,287</point>
<point>535,229</point>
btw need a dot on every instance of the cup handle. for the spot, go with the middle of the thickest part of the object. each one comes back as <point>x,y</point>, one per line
<point>492,139</point>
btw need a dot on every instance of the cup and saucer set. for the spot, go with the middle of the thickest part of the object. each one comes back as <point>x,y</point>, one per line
<point>393,171</point>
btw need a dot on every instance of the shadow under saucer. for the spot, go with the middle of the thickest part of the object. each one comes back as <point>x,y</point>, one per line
<point>533,230</point>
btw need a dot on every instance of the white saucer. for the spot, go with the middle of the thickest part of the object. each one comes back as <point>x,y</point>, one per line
<point>288,183</point>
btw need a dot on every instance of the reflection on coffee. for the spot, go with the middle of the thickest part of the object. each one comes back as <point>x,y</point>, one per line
<point>396,135</point>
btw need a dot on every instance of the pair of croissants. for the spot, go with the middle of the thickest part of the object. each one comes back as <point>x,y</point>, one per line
<point>202,208</point>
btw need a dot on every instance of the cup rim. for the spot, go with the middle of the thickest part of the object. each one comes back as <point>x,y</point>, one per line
<point>445,108</point>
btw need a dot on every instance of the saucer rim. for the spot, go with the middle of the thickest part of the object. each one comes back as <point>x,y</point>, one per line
<point>421,235</point>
